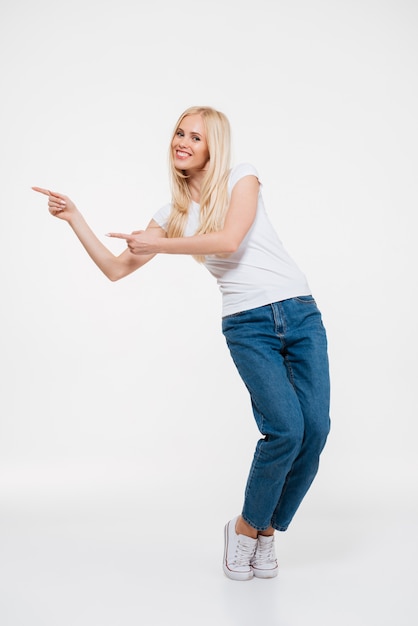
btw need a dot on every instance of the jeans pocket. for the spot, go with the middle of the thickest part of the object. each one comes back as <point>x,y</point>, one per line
<point>305,299</point>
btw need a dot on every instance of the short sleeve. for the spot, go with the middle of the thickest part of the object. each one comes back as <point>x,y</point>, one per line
<point>239,171</point>
<point>162,215</point>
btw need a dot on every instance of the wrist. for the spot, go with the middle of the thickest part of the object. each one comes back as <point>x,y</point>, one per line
<point>162,247</point>
<point>75,218</point>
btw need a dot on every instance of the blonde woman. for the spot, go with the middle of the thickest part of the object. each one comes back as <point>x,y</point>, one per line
<point>270,320</point>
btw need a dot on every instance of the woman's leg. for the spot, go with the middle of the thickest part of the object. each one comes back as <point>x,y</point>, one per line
<point>256,350</point>
<point>279,379</point>
<point>307,362</point>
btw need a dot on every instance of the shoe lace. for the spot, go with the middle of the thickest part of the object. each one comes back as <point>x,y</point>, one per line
<point>244,552</point>
<point>265,552</point>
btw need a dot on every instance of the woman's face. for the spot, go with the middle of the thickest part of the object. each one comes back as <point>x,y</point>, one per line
<point>189,145</point>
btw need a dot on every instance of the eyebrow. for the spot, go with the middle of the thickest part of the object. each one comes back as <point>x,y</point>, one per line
<point>192,132</point>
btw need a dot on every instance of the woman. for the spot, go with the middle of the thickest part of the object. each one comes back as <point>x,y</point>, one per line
<point>271,323</point>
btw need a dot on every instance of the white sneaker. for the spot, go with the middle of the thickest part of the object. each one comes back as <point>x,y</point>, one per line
<point>239,551</point>
<point>264,562</point>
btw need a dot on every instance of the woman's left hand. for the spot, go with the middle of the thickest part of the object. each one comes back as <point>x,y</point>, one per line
<point>139,241</point>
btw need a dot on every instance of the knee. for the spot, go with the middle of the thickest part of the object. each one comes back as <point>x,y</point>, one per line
<point>295,438</point>
<point>290,439</point>
<point>317,432</point>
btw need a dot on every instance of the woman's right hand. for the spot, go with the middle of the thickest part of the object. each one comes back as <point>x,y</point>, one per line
<point>59,205</point>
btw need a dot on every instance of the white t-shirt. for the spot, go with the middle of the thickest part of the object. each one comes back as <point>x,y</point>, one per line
<point>260,271</point>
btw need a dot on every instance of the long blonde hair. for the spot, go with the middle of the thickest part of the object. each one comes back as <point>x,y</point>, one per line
<point>214,191</point>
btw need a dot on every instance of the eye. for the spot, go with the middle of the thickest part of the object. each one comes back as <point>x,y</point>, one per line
<point>195,138</point>
<point>179,133</point>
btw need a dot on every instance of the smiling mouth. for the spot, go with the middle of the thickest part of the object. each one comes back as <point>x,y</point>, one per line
<point>181,154</point>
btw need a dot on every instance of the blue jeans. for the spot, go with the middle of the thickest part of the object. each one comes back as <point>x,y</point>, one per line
<point>280,351</point>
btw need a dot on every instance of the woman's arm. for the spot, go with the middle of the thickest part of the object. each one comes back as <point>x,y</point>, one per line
<point>239,219</point>
<point>114,267</point>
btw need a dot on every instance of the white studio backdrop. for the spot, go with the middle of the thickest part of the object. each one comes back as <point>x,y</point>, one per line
<point>112,387</point>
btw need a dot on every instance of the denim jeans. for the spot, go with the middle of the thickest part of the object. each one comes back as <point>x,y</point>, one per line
<point>280,351</point>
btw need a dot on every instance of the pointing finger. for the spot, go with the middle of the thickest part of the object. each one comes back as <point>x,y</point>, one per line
<point>40,190</point>
<point>119,236</point>
<point>47,192</point>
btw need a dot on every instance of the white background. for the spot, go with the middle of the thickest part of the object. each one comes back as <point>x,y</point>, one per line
<point>120,401</point>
